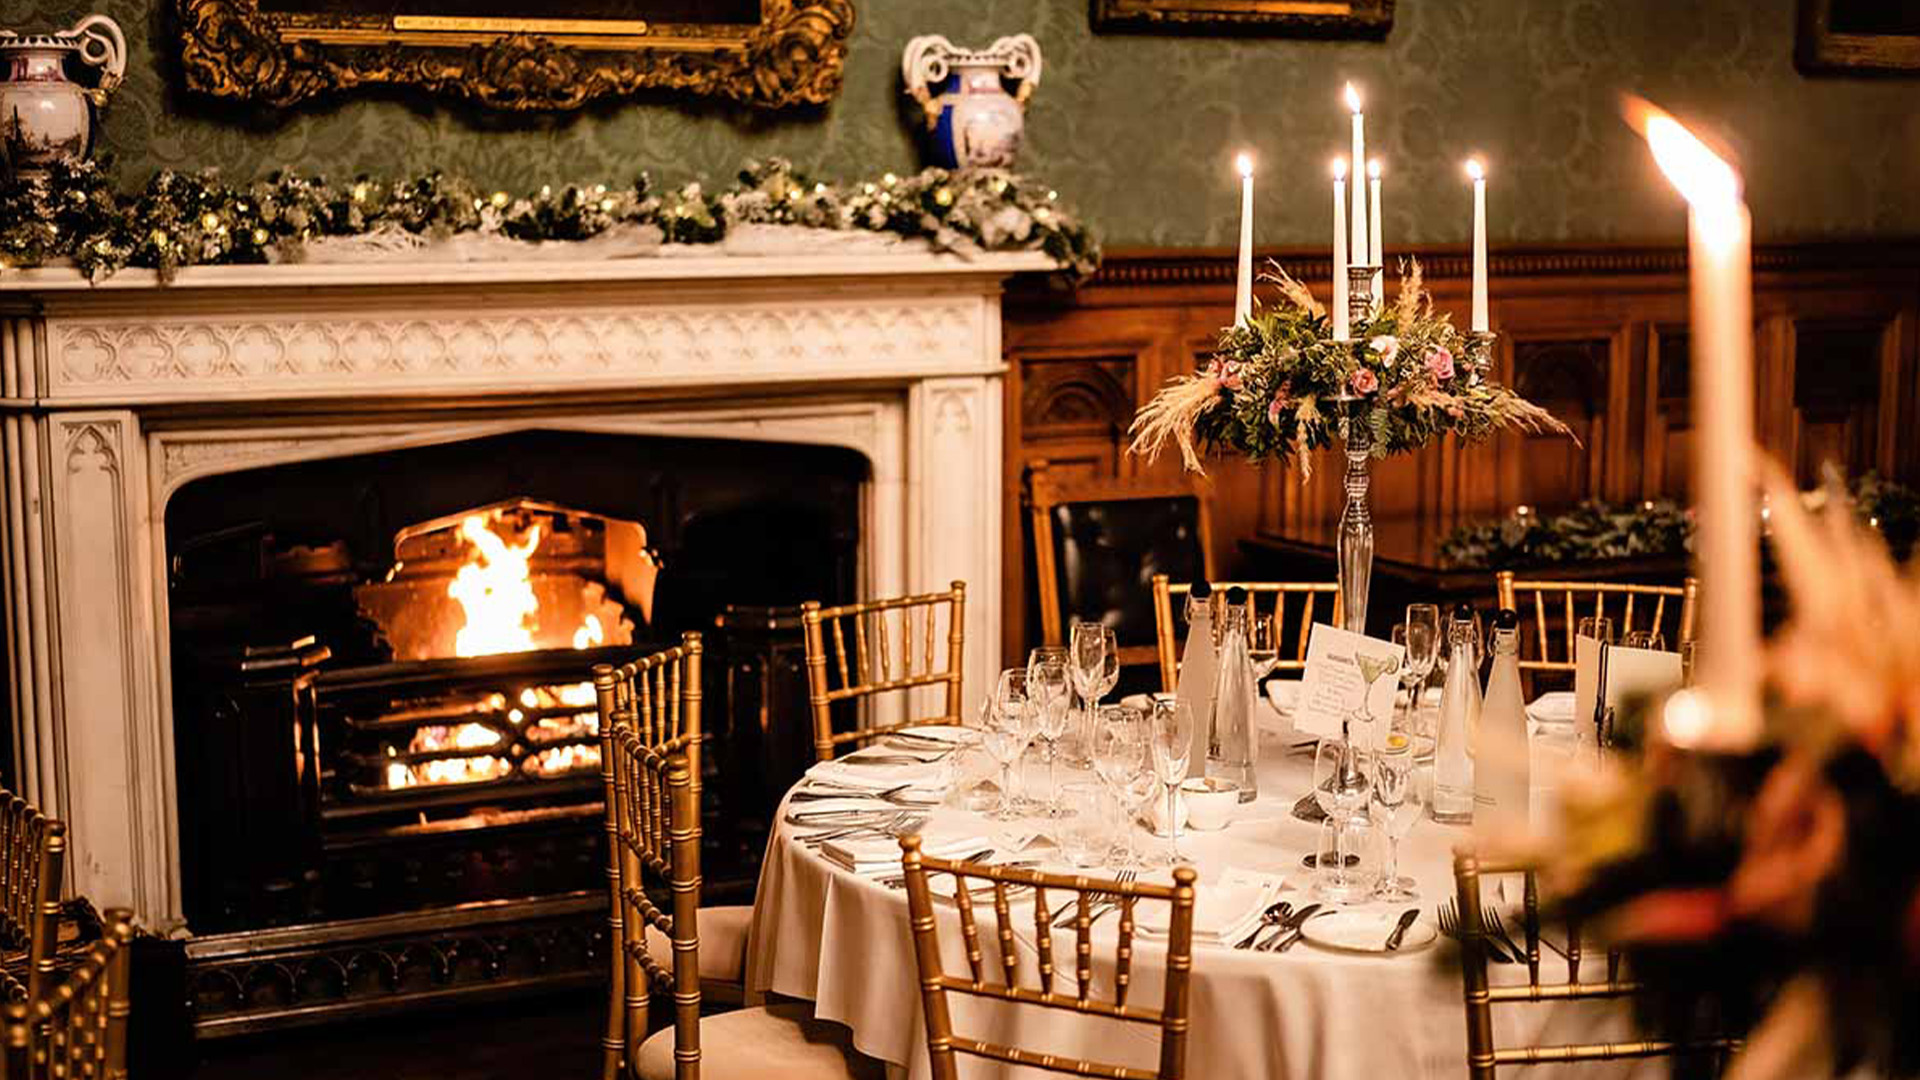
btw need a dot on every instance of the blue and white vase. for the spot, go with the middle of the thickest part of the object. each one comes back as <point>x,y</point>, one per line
<point>972,121</point>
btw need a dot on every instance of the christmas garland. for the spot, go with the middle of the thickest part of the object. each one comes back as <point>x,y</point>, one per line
<point>1595,530</point>
<point>1280,385</point>
<point>75,214</point>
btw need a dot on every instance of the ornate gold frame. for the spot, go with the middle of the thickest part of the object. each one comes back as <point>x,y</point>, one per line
<point>1283,18</point>
<point>795,55</point>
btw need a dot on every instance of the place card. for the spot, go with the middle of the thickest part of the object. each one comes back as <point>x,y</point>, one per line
<point>1350,677</point>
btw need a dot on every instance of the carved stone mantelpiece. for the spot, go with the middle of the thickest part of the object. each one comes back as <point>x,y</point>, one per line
<point>114,396</point>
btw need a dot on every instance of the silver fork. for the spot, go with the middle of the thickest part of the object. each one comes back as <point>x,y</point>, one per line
<point>1125,877</point>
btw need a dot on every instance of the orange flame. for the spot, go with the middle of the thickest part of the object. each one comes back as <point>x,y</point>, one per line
<point>495,588</point>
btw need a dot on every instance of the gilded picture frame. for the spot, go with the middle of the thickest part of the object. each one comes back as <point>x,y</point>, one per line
<point>283,52</point>
<point>1278,18</point>
<point>1859,37</point>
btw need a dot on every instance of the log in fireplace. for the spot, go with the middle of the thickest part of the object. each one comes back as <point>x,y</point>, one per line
<point>385,735</point>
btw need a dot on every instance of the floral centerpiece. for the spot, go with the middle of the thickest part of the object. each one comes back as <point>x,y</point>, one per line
<point>1773,893</point>
<point>1281,384</point>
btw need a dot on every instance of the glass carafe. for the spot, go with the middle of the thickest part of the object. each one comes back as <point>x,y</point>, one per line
<point>1197,668</point>
<point>1232,749</point>
<point>1501,770</point>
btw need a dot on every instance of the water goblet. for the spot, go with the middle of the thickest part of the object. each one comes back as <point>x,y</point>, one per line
<point>1123,764</point>
<point>1342,783</point>
<point>1007,735</point>
<point>1396,804</point>
<point>1096,668</point>
<point>1049,684</point>
<point>1597,627</point>
<point>1645,639</point>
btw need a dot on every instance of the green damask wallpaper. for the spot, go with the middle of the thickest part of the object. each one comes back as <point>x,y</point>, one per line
<point>1140,132</point>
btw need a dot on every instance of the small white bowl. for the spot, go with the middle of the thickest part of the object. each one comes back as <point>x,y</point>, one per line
<point>1210,802</point>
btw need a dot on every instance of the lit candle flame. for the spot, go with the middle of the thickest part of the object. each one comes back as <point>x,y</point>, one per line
<point>1245,164</point>
<point>1706,180</point>
<point>1476,169</point>
<point>1353,98</point>
<point>1373,169</point>
<point>1339,168</point>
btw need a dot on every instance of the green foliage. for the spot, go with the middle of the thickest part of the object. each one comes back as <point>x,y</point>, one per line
<point>74,215</point>
<point>1590,532</point>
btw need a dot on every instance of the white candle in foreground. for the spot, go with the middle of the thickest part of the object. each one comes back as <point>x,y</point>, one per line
<point>1377,252</point>
<point>1726,552</point>
<point>1243,282</point>
<point>1479,173</point>
<point>1360,253</point>
<point>1340,329</point>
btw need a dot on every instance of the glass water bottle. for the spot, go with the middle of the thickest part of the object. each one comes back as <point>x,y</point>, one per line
<point>1195,687</point>
<point>1234,748</point>
<point>1453,791</point>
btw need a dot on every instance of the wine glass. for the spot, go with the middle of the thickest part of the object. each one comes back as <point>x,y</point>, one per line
<point>1096,668</point>
<point>1597,627</point>
<point>1049,684</point>
<point>1423,652</point>
<point>1263,645</point>
<point>1007,735</point>
<point>1645,639</point>
<point>1122,761</point>
<point>1342,782</point>
<point>1172,745</point>
<point>1396,804</point>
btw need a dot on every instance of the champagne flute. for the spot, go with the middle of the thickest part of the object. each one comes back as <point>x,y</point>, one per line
<point>1006,736</point>
<point>1423,653</point>
<point>1048,683</point>
<point>1396,804</point>
<point>1342,783</point>
<point>1096,668</point>
<point>1172,745</point>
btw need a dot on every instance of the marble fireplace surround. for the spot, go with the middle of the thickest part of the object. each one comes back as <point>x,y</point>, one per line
<point>113,396</point>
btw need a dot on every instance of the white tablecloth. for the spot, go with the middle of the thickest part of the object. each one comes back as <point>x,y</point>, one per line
<point>842,941</point>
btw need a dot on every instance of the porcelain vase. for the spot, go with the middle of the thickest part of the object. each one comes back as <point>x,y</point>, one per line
<point>45,116</point>
<point>972,122</point>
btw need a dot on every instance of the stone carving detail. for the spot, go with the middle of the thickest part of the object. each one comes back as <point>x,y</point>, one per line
<point>952,413</point>
<point>775,343</point>
<point>90,449</point>
<point>179,458</point>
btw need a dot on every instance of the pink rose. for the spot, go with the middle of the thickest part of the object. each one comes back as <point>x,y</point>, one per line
<point>1364,382</point>
<point>1386,346</point>
<point>1280,401</point>
<point>1226,373</point>
<point>1440,364</point>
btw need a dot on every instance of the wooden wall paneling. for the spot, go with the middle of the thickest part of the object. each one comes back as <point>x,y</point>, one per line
<point>1835,371</point>
<point>1668,446</point>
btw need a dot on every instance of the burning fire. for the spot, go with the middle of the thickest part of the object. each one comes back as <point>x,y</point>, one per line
<point>495,590</point>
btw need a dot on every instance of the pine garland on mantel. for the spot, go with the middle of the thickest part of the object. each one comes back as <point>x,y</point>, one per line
<point>75,215</point>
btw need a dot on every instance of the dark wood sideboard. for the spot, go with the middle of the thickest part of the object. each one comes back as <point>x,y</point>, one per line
<point>1598,334</point>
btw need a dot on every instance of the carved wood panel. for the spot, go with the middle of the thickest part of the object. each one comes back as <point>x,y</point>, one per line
<point>1573,380</point>
<point>1836,379</point>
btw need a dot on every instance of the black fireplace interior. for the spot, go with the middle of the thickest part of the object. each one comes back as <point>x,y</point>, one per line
<point>332,767</point>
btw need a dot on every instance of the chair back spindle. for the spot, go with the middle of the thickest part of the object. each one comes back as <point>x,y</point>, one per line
<point>882,647</point>
<point>1290,607</point>
<point>1050,987</point>
<point>76,1027</point>
<point>1555,609</point>
<point>650,768</point>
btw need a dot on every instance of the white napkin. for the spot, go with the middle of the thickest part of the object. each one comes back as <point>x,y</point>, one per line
<point>946,733</point>
<point>1554,708</point>
<point>877,777</point>
<point>881,856</point>
<point>1224,911</point>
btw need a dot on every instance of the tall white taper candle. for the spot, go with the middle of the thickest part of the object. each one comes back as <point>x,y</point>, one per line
<point>1479,173</point>
<point>1243,282</point>
<point>1726,552</point>
<point>1374,249</point>
<point>1340,329</point>
<point>1359,252</point>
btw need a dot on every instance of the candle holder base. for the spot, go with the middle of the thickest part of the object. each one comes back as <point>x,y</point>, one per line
<point>1360,305</point>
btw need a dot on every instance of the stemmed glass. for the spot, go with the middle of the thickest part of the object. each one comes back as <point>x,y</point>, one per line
<point>1172,744</point>
<point>1597,627</point>
<point>1342,781</point>
<point>1421,635</point>
<point>1122,761</point>
<point>1048,683</point>
<point>1007,734</point>
<point>1645,639</point>
<point>1096,668</point>
<point>1263,645</point>
<point>1396,804</point>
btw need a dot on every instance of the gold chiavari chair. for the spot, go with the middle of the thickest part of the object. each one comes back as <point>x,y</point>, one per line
<point>873,627</point>
<point>1556,607</point>
<point>32,856</point>
<point>650,761</point>
<point>1484,1056</point>
<point>76,1029</point>
<point>943,1045</point>
<point>1316,598</point>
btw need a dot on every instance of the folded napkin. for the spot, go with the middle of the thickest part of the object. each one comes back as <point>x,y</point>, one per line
<point>952,734</point>
<point>1554,708</point>
<point>878,777</point>
<point>1224,912</point>
<point>881,856</point>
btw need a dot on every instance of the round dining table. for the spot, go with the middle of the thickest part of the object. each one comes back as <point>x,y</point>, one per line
<point>840,939</point>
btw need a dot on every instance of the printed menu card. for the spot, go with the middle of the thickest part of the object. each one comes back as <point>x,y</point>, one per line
<point>1350,677</point>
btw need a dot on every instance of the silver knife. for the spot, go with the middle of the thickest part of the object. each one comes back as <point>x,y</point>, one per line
<point>1400,930</point>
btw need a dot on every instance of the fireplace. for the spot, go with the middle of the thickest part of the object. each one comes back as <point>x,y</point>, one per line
<point>192,542</point>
